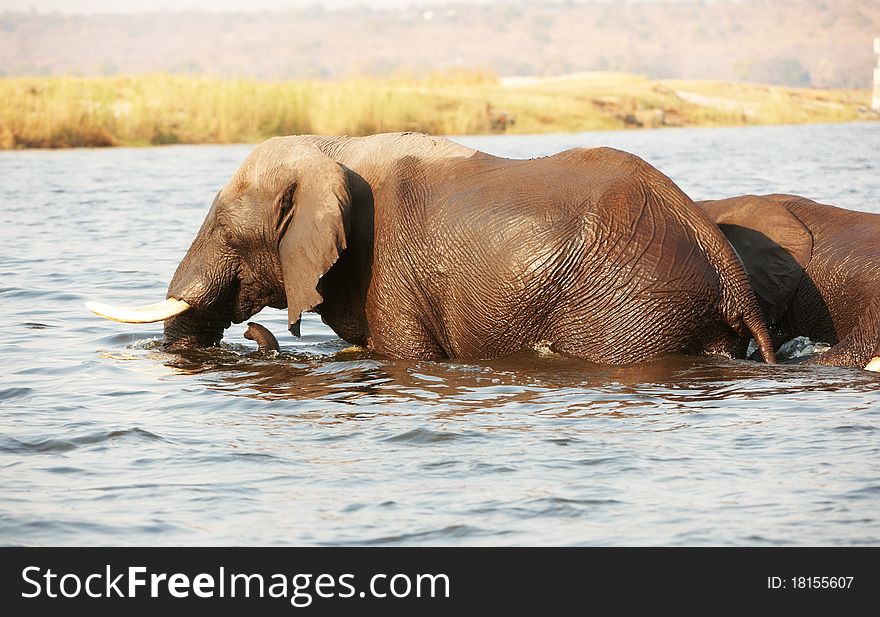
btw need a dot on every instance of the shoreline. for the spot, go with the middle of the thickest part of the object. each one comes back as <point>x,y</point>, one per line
<point>162,109</point>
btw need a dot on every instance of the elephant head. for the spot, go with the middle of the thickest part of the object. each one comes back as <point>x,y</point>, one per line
<point>273,231</point>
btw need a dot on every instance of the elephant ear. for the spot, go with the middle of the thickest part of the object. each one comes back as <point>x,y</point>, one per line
<point>774,245</point>
<point>312,214</point>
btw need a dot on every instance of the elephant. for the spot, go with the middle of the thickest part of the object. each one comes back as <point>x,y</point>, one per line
<point>413,246</point>
<point>815,269</point>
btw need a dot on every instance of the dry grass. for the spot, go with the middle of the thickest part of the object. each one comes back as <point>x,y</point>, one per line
<point>58,112</point>
<point>593,101</point>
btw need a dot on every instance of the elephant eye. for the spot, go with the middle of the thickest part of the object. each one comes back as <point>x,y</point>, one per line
<point>227,236</point>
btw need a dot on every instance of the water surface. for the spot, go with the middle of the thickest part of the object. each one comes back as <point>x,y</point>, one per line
<point>106,439</point>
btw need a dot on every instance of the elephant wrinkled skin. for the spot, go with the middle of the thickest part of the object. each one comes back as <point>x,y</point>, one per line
<point>814,268</point>
<point>416,247</point>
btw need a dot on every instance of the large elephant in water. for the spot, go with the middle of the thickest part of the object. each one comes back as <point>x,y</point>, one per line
<point>417,247</point>
<point>815,269</point>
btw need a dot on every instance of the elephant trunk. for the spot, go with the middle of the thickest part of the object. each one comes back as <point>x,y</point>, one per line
<point>194,329</point>
<point>210,315</point>
<point>209,285</point>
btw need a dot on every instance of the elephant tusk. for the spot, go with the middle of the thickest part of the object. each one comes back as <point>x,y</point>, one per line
<point>140,314</point>
<point>873,365</point>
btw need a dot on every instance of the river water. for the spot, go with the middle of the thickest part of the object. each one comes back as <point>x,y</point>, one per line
<point>105,439</point>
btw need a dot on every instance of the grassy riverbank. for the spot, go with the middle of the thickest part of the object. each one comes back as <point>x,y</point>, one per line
<point>56,112</point>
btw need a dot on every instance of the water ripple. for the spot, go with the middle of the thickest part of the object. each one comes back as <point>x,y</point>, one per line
<point>11,393</point>
<point>451,532</point>
<point>12,445</point>
<point>423,435</point>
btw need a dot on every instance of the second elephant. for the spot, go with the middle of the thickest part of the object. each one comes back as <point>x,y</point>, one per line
<point>815,269</point>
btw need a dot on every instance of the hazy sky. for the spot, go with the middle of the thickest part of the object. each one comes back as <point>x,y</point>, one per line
<point>140,6</point>
<point>134,6</point>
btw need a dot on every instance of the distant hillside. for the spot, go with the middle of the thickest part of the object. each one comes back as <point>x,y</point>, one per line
<point>825,43</point>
